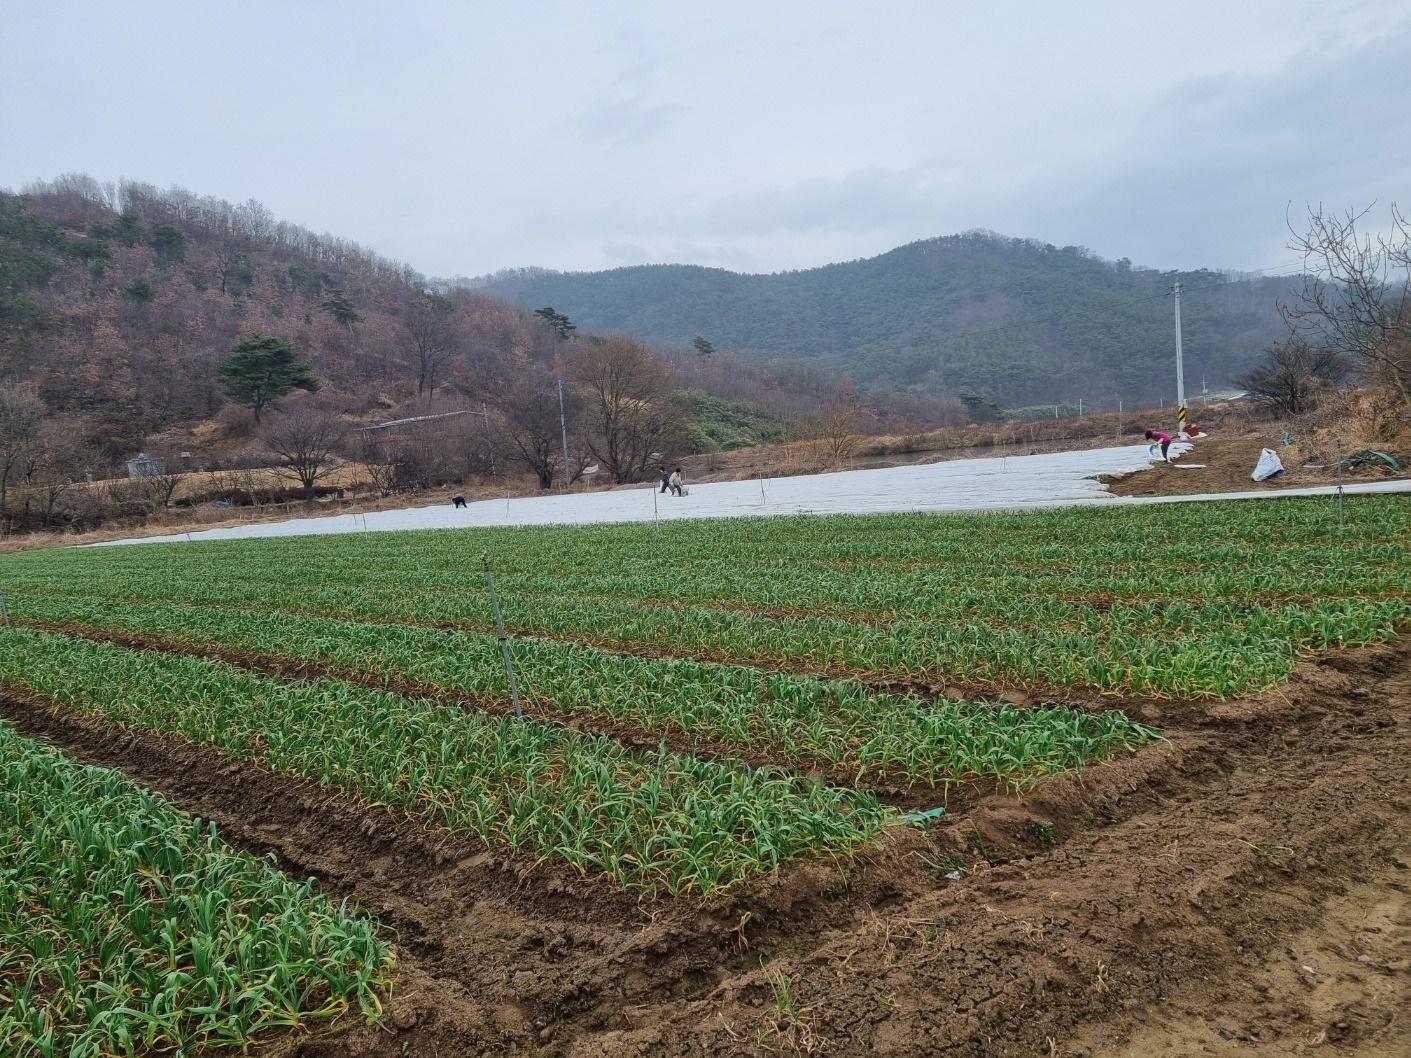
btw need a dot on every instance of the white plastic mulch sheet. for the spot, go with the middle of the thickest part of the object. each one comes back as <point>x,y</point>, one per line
<point>1001,483</point>
<point>954,485</point>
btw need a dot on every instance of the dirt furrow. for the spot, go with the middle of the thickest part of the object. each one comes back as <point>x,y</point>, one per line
<point>1148,707</point>
<point>953,795</point>
<point>1158,895</point>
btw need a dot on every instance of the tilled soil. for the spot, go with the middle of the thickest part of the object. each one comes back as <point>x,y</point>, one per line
<point>1245,886</point>
<point>1225,465</point>
<point>951,795</point>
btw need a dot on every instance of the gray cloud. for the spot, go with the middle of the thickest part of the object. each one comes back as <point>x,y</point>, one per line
<point>465,138</point>
<point>1210,179</point>
<point>627,121</point>
<point>865,199</point>
<point>625,114</point>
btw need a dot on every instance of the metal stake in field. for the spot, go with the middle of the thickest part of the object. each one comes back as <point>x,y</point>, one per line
<point>1338,465</point>
<point>500,630</point>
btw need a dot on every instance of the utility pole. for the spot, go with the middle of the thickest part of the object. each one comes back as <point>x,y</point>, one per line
<point>563,425</point>
<point>1180,370</point>
<point>489,447</point>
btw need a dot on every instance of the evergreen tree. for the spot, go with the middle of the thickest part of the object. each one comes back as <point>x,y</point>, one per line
<point>341,309</point>
<point>260,370</point>
<point>704,348</point>
<point>557,320</point>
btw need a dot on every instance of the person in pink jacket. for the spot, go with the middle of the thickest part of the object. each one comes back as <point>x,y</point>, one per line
<point>1164,438</point>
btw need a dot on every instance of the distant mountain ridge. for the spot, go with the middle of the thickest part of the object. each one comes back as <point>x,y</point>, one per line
<point>1015,321</point>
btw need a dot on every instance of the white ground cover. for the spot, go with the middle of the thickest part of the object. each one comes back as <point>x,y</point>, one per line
<point>999,483</point>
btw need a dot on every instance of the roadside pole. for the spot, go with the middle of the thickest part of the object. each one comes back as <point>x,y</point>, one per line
<point>1180,370</point>
<point>489,448</point>
<point>500,630</point>
<point>563,425</point>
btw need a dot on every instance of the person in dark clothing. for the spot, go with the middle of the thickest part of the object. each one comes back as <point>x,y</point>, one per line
<point>665,479</point>
<point>1163,438</point>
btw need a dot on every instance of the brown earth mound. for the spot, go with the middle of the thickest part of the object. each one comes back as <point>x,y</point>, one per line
<point>1245,886</point>
<point>1228,464</point>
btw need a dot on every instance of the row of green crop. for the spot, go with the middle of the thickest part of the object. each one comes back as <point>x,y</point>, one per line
<point>984,570</point>
<point>1287,541</point>
<point>128,927</point>
<point>1177,646</point>
<point>837,722</point>
<point>1135,601</point>
<point>648,820</point>
<point>1000,601</point>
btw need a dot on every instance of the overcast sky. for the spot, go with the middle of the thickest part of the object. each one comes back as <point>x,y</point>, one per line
<point>464,137</point>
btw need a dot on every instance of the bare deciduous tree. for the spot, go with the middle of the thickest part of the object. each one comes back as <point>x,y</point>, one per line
<point>378,456</point>
<point>839,425</point>
<point>51,465</point>
<point>21,419</point>
<point>428,327</point>
<point>1356,293</point>
<point>1291,376</point>
<point>305,442</point>
<point>518,384</point>
<point>157,489</point>
<point>529,408</point>
<point>630,404</point>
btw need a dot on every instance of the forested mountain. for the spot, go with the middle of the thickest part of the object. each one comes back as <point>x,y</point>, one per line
<point>122,308</point>
<point>1013,320</point>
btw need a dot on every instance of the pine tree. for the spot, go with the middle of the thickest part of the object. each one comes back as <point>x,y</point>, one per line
<point>260,370</point>
<point>341,309</point>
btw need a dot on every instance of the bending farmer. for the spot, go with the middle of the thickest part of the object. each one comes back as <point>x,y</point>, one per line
<point>1164,438</point>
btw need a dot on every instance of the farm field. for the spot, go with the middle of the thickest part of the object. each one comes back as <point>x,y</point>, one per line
<point>129,924</point>
<point>714,831</point>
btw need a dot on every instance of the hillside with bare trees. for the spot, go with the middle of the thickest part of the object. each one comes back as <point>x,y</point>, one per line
<point>121,307</point>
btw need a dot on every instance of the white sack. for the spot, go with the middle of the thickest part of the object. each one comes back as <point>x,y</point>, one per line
<point>1267,466</point>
